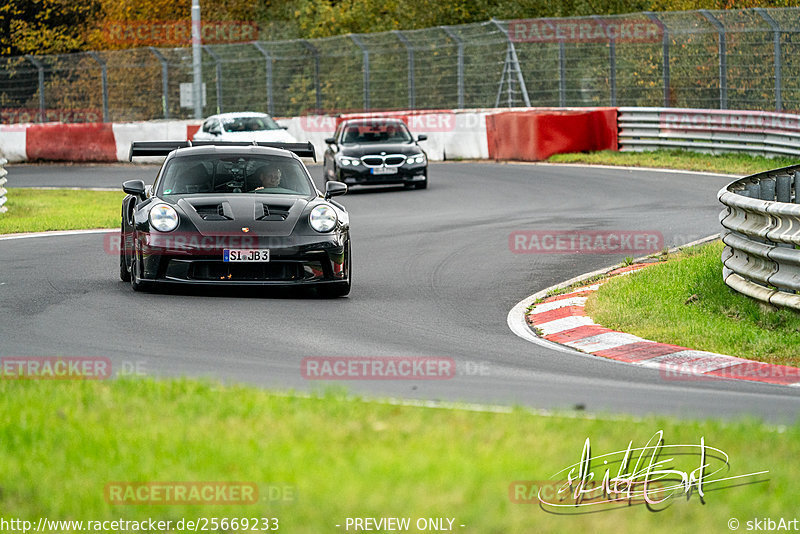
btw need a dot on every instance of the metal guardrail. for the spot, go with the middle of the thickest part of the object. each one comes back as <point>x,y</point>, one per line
<point>711,131</point>
<point>3,180</point>
<point>761,231</point>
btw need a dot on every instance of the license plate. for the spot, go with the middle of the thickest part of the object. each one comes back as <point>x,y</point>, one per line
<point>384,170</point>
<point>235,255</point>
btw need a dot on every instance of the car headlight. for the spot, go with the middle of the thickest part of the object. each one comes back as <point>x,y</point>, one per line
<point>415,158</point>
<point>344,161</point>
<point>323,218</point>
<point>163,218</point>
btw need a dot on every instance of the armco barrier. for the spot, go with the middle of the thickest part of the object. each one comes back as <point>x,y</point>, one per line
<point>3,179</point>
<point>761,231</point>
<point>536,135</point>
<point>712,131</point>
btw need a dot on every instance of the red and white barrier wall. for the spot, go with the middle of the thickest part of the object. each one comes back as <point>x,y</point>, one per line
<point>520,133</point>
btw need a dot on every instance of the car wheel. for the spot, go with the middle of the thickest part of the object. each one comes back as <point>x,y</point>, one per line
<point>339,289</point>
<point>124,273</point>
<point>136,284</point>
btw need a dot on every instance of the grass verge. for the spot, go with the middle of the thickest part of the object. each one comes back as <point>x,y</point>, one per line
<point>685,302</point>
<point>40,210</point>
<point>62,442</point>
<point>677,159</point>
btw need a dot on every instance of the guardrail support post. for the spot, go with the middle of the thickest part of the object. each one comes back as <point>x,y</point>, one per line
<point>164,80</point>
<point>268,59</point>
<point>460,65</point>
<point>665,40</point>
<point>776,46</point>
<point>104,77</point>
<point>357,40</point>
<point>410,48</point>
<point>3,191</point>
<point>783,188</point>
<point>218,65</point>
<point>796,184</point>
<point>39,67</point>
<point>723,59</point>
<point>317,90</point>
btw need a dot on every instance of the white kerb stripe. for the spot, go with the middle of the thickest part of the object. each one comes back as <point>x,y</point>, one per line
<point>608,340</point>
<point>697,360</point>
<point>556,304</point>
<point>566,323</point>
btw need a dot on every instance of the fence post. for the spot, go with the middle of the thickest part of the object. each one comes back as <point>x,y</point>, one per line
<point>513,52</point>
<point>460,65</point>
<point>612,60</point>
<point>410,48</point>
<point>317,91</point>
<point>268,59</point>
<point>164,80</point>
<point>104,77</point>
<point>776,44</point>
<point>723,59</point>
<point>664,55</point>
<point>218,64</point>
<point>40,67</point>
<point>3,174</point>
<point>365,52</point>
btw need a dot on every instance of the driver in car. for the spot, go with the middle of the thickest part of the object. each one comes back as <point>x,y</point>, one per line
<point>269,176</point>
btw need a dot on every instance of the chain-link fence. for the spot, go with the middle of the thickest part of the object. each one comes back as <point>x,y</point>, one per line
<point>733,59</point>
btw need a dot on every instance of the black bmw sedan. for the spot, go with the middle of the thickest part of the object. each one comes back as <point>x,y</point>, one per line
<point>375,151</point>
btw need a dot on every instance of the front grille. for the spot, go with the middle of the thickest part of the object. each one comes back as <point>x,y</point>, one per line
<point>373,161</point>
<point>390,160</point>
<point>214,270</point>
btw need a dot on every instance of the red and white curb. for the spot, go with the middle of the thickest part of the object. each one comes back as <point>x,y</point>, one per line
<point>561,321</point>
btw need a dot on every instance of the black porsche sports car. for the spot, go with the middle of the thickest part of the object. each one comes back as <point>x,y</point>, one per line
<point>234,213</point>
<point>375,151</point>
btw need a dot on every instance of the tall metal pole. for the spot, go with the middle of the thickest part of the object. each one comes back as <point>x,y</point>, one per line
<point>197,61</point>
<point>723,59</point>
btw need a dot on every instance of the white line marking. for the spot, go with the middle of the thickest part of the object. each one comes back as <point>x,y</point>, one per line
<point>556,304</point>
<point>607,340</point>
<point>57,233</point>
<point>565,323</point>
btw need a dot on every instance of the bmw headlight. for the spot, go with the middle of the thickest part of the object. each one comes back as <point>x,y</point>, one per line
<point>163,218</point>
<point>344,161</point>
<point>415,158</point>
<point>323,218</point>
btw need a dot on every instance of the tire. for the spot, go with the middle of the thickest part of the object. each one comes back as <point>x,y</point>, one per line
<point>339,289</point>
<point>136,284</point>
<point>124,273</point>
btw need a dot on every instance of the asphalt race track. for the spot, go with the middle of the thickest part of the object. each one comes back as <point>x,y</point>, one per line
<point>433,276</point>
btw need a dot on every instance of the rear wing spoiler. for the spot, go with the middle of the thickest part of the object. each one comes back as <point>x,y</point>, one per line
<point>162,148</point>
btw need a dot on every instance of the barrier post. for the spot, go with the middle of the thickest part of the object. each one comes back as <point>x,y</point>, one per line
<point>218,63</point>
<point>411,89</point>
<point>357,40</point>
<point>104,78</point>
<point>317,91</point>
<point>164,80</point>
<point>776,45</point>
<point>723,59</point>
<point>39,67</point>
<point>268,59</point>
<point>3,179</point>
<point>460,66</point>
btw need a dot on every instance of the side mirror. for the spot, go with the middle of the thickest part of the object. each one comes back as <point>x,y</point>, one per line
<point>135,188</point>
<point>334,189</point>
<point>284,127</point>
<point>214,131</point>
<point>330,140</point>
<point>422,137</point>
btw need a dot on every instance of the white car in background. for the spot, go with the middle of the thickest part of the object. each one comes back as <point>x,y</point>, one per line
<point>243,126</point>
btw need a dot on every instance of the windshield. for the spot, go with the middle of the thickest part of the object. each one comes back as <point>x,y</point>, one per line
<point>249,124</point>
<point>216,173</point>
<point>391,132</point>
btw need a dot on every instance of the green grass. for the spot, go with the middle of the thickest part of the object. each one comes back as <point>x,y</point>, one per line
<point>678,159</point>
<point>39,210</point>
<point>62,442</point>
<point>652,304</point>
